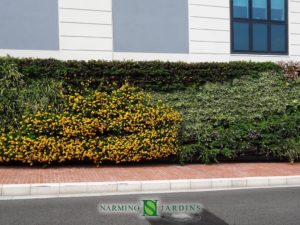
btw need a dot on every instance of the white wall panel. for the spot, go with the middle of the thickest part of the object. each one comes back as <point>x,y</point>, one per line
<point>85,16</point>
<point>209,47</point>
<point>259,58</point>
<point>86,28</point>
<point>104,5</point>
<point>150,56</point>
<point>209,35</point>
<point>294,6</point>
<point>194,58</point>
<point>218,3</point>
<point>209,11</point>
<point>294,17</point>
<point>295,50</point>
<point>209,23</point>
<point>30,53</point>
<point>294,39</point>
<point>92,44</point>
<point>294,29</point>
<point>85,55</point>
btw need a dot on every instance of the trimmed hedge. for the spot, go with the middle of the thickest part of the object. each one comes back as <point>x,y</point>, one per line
<point>253,115</point>
<point>154,75</point>
<point>274,136</point>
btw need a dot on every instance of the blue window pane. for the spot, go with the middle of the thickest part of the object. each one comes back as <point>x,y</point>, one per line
<point>240,9</point>
<point>278,10</point>
<point>259,9</point>
<point>241,36</point>
<point>260,37</point>
<point>278,38</point>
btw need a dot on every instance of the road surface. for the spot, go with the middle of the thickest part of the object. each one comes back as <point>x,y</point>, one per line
<point>277,206</point>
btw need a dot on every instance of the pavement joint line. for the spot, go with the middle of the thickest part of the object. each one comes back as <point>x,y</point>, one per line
<point>146,186</point>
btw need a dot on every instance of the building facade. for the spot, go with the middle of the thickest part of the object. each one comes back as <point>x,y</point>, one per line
<point>169,30</point>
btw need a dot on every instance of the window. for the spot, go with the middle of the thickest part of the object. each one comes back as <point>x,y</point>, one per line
<point>259,9</point>
<point>259,26</point>
<point>240,9</point>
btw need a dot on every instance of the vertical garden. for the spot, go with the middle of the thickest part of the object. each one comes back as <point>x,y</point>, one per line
<point>55,111</point>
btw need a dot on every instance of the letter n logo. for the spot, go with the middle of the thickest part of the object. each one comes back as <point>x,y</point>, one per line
<point>150,207</point>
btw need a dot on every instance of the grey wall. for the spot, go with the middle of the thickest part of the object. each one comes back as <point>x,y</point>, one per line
<point>29,24</point>
<point>153,26</point>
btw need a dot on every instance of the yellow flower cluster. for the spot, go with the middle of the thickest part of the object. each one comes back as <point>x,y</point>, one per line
<point>121,126</point>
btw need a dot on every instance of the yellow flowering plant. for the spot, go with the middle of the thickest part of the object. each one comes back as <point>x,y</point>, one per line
<point>121,126</point>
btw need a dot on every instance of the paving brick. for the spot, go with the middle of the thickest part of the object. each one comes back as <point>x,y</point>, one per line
<point>117,173</point>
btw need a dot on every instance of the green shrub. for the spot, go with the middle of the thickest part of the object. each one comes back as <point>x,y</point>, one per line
<point>153,75</point>
<point>19,96</point>
<point>121,126</point>
<point>254,115</point>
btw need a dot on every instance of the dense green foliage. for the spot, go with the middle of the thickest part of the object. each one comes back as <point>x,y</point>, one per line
<point>255,115</point>
<point>19,96</point>
<point>154,75</point>
<point>228,109</point>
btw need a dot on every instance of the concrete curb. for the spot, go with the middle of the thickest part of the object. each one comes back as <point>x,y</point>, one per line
<point>8,191</point>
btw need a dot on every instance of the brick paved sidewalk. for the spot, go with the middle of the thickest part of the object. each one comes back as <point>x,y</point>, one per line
<point>27,175</point>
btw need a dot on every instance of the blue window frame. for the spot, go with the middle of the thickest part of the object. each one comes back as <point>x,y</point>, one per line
<point>259,26</point>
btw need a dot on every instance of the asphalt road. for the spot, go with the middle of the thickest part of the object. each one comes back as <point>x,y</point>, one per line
<point>280,206</point>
